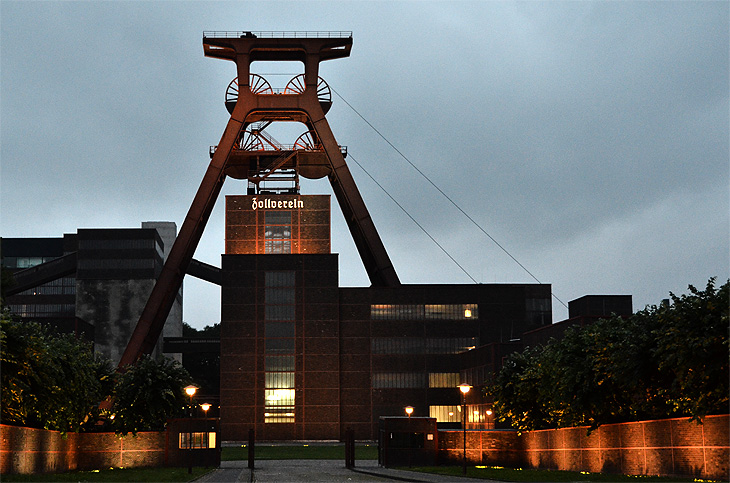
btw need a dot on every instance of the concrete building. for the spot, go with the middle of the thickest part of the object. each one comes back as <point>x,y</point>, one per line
<point>108,278</point>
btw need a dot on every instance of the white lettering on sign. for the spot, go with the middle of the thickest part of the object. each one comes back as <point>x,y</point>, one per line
<point>268,204</point>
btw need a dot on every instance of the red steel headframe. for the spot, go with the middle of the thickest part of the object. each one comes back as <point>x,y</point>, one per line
<point>244,48</point>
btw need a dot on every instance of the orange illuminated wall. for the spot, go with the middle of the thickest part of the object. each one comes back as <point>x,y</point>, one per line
<point>277,224</point>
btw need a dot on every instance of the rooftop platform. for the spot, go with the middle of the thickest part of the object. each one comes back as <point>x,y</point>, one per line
<point>279,34</point>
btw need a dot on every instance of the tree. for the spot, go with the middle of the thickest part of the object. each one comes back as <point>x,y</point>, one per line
<point>49,381</point>
<point>147,394</point>
<point>663,361</point>
<point>692,350</point>
<point>516,391</point>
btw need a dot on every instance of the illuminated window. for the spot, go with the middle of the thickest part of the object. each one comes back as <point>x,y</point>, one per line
<point>279,407</point>
<point>443,379</point>
<point>280,346</point>
<point>199,440</point>
<point>445,414</point>
<point>424,312</point>
<point>278,232</point>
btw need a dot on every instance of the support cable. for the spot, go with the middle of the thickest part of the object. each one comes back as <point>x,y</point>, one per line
<point>349,155</point>
<point>443,194</point>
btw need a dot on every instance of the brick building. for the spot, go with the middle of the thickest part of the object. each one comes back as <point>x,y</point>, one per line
<point>302,358</point>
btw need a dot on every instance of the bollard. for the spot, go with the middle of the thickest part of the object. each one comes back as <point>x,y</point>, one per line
<point>251,447</point>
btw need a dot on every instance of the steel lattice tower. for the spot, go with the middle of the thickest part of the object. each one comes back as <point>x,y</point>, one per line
<point>244,152</point>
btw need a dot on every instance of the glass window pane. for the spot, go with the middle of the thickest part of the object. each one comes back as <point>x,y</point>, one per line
<point>443,379</point>
<point>279,380</point>
<point>280,346</point>
<point>279,329</point>
<point>280,295</point>
<point>277,232</point>
<point>278,217</point>
<point>279,312</point>
<point>445,414</point>
<point>279,397</point>
<point>279,279</point>
<point>279,363</point>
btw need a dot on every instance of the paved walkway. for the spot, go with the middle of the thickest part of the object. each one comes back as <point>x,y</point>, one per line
<point>315,471</point>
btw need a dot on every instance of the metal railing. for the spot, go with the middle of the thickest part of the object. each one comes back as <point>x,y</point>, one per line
<point>281,34</point>
<point>283,147</point>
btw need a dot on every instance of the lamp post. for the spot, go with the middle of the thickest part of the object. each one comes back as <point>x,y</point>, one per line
<point>464,388</point>
<point>190,391</point>
<point>409,411</point>
<point>489,417</point>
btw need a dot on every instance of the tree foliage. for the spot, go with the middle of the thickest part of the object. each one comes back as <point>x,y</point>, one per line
<point>147,394</point>
<point>54,381</point>
<point>49,381</point>
<point>665,361</point>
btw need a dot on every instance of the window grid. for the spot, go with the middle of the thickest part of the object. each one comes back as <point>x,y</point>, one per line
<point>280,346</point>
<point>197,440</point>
<point>443,379</point>
<point>61,286</point>
<point>424,312</point>
<point>445,414</point>
<point>398,380</point>
<point>43,310</point>
<point>277,232</point>
<point>417,345</point>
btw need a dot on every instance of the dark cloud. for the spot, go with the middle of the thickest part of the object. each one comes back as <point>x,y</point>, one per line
<point>590,139</point>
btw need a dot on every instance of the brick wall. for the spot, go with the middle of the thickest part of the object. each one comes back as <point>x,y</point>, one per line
<point>29,450</point>
<point>671,447</point>
<point>484,447</point>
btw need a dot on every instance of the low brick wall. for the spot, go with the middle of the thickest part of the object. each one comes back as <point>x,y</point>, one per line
<point>483,447</point>
<point>669,447</point>
<point>29,450</point>
<point>105,450</point>
<point>662,447</point>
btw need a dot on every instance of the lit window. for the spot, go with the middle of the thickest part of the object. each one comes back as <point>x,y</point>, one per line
<point>445,414</point>
<point>443,379</point>
<point>199,440</point>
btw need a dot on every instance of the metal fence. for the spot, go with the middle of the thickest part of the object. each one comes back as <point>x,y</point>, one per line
<point>281,34</point>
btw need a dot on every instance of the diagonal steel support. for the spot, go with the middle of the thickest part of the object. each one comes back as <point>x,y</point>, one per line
<point>150,324</point>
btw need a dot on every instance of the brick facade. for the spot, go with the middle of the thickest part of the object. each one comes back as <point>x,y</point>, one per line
<point>30,450</point>
<point>671,447</point>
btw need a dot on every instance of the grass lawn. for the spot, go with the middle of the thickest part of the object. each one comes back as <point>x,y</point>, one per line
<point>116,474</point>
<point>299,452</point>
<point>545,476</point>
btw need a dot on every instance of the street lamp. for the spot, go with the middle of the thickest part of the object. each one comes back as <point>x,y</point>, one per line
<point>464,388</point>
<point>489,416</point>
<point>190,391</point>
<point>409,411</point>
<point>205,407</point>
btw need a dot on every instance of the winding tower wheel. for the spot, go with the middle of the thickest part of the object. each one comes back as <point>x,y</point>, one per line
<point>251,141</point>
<point>258,84</point>
<point>324,93</point>
<point>308,142</point>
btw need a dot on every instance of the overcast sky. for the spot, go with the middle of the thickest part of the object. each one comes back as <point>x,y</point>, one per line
<point>589,139</point>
